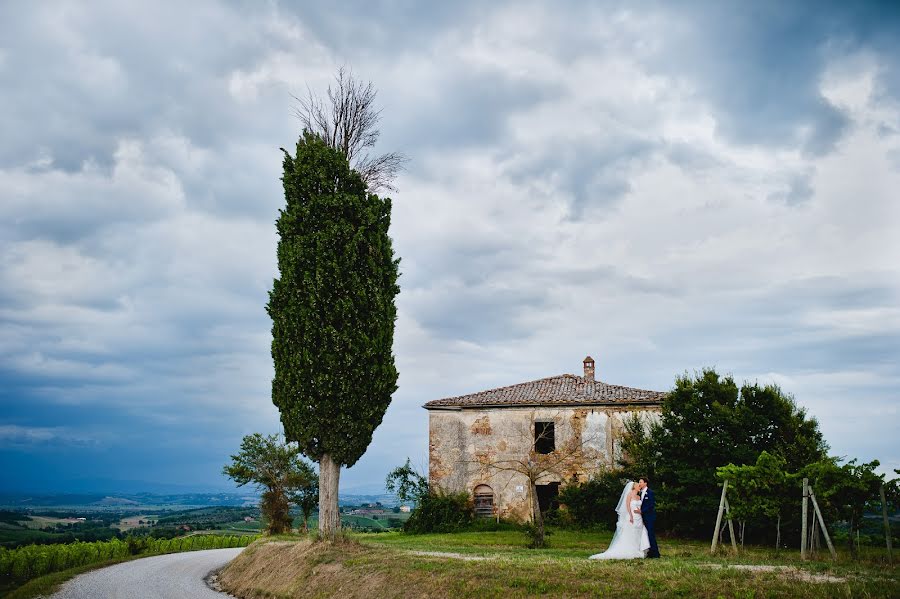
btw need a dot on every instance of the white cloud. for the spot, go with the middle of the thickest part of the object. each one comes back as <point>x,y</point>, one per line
<point>574,189</point>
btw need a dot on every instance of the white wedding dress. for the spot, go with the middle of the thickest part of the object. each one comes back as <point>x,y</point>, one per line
<point>631,540</point>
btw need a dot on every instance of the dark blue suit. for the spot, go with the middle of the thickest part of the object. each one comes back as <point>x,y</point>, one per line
<point>648,513</point>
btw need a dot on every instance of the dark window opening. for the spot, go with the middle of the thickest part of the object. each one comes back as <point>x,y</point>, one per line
<point>548,496</point>
<point>544,437</point>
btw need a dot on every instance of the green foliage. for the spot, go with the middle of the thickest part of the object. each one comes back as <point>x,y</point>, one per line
<point>332,307</point>
<point>305,494</point>
<point>408,484</point>
<point>276,512</point>
<point>892,494</point>
<point>706,422</point>
<point>441,512</point>
<point>592,504</point>
<point>758,490</point>
<point>276,467</point>
<point>845,492</point>
<point>8,517</point>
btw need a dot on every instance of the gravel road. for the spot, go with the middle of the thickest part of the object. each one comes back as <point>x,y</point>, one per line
<point>172,576</point>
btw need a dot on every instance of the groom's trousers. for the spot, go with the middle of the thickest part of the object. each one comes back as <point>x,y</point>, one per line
<point>650,525</point>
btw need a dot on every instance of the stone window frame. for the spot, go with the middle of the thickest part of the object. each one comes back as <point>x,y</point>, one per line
<point>542,440</point>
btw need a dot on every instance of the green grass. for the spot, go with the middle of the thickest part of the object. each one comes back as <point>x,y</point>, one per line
<point>363,521</point>
<point>390,565</point>
<point>224,532</point>
<point>687,568</point>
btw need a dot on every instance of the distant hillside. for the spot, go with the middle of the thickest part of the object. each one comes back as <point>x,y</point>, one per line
<point>116,501</point>
<point>101,501</point>
<point>106,501</point>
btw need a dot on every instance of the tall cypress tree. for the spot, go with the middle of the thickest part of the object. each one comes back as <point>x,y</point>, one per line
<point>333,314</point>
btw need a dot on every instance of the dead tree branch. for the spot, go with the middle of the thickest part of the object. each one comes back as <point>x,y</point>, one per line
<point>347,120</point>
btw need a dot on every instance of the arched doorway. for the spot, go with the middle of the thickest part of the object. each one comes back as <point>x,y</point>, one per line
<point>484,501</point>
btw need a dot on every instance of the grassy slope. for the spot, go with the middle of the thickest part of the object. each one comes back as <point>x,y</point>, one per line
<point>383,565</point>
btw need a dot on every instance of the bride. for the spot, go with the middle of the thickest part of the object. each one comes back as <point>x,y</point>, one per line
<point>631,540</point>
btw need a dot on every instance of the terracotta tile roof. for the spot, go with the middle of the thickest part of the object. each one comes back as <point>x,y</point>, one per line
<point>562,390</point>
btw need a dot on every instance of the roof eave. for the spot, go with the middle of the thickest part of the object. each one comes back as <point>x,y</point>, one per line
<point>582,404</point>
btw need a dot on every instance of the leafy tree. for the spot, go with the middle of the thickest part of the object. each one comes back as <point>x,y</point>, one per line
<point>408,484</point>
<point>306,495</point>
<point>845,492</point>
<point>592,503</point>
<point>538,466</point>
<point>274,467</point>
<point>706,422</point>
<point>759,490</point>
<point>333,314</point>
<point>892,493</point>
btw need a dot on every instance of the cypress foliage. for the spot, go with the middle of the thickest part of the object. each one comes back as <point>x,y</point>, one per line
<point>332,310</point>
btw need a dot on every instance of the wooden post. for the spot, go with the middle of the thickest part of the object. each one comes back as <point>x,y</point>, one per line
<point>887,526</point>
<point>731,527</point>
<point>778,533</point>
<point>803,528</point>
<point>715,540</point>
<point>822,524</point>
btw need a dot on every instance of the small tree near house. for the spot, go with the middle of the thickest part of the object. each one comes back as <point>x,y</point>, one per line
<point>548,461</point>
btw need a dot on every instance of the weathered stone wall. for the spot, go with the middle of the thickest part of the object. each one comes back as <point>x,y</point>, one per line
<point>461,441</point>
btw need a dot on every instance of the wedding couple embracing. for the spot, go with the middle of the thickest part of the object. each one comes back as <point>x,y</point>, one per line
<point>635,530</point>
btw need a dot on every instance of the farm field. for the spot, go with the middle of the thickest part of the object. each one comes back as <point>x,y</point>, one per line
<point>496,564</point>
<point>138,521</point>
<point>39,522</point>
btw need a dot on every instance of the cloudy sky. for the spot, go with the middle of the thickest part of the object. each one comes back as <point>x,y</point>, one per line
<point>663,189</point>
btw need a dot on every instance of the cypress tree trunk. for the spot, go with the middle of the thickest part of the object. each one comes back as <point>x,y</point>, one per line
<point>329,516</point>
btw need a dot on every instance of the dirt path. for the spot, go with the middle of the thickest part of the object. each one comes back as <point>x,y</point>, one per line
<point>785,571</point>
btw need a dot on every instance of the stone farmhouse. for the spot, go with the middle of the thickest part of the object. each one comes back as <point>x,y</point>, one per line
<point>521,422</point>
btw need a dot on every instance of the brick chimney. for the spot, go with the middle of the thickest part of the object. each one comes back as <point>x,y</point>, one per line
<point>589,368</point>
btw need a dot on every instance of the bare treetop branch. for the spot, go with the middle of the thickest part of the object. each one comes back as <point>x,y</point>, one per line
<point>347,119</point>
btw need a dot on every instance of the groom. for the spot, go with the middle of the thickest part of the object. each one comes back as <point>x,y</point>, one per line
<point>648,513</point>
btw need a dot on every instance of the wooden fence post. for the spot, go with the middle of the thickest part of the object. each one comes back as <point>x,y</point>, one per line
<point>887,526</point>
<point>803,529</point>
<point>715,539</point>
<point>731,527</point>
<point>822,524</point>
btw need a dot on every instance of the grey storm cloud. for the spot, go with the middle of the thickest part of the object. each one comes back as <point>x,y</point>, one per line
<point>662,187</point>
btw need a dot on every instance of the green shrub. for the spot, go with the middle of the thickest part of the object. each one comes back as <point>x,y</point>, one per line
<point>441,512</point>
<point>591,504</point>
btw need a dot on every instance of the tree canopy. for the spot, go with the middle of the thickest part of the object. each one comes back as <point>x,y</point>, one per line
<point>332,307</point>
<point>707,421</point>
<point>408,484</point>
<point>277,469</point>
<point>333,313</point>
